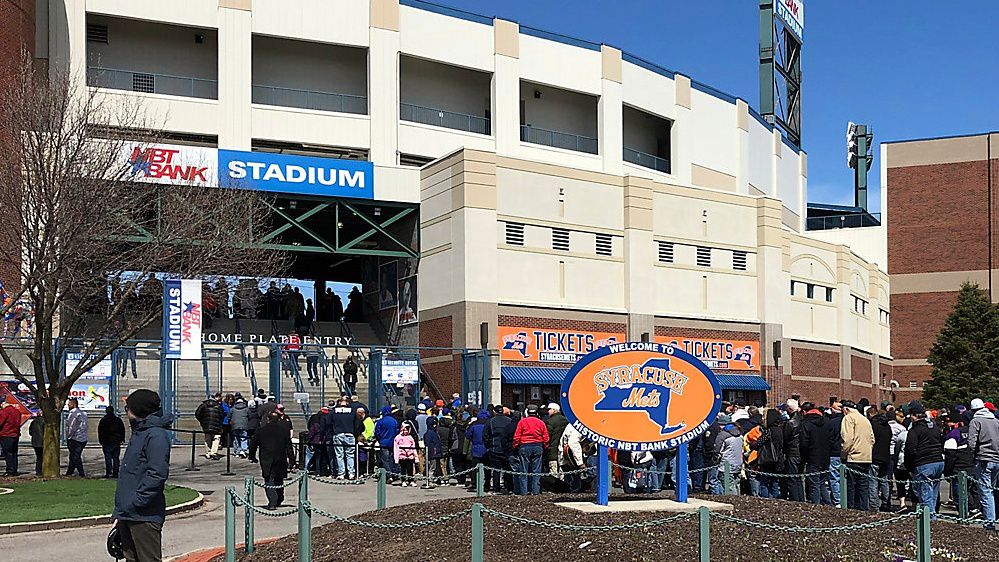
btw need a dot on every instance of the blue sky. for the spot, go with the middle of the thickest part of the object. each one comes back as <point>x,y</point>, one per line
<point>908,68</point>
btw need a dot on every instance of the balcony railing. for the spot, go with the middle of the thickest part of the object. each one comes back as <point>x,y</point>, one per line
<point>646,160</point>
<point>853,220</point>
<point>443,118</point>
<point>308,99</point>
<point>568,141</point>
<point>152,83</point>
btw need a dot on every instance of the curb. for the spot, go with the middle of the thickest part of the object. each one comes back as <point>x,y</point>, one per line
<point>73,523</point>
<point>207,554</point>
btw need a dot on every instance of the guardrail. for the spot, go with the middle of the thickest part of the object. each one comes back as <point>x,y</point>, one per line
<point>445,118</point>
<point>152,83</point>
<point>854,220</point>
<point>646,160</point>
<point>309,99</point>
<point>558,139</point>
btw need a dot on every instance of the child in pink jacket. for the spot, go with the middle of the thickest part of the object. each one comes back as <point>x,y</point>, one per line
<point>405,455</point>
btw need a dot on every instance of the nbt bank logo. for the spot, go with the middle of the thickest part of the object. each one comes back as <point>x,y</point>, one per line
<point>163,164</point>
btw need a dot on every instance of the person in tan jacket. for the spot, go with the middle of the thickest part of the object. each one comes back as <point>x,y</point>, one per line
<point>858,443</point>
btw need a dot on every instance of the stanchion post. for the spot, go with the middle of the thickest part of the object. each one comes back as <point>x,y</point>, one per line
<point>704,528</point>
<point>681,474</point>
<point>228,457</point>
<point>843,496</point>
<point>962,494</point>
<point>230,524</point>
<point>194,452</point>
<point>603,475</point>
<point>480,480</point>
<point>380,494</point>
<point>248,529</point>
<point>725,473</point>
<point>477,535</point>
<point>923,534</point>
<point>304,520</point>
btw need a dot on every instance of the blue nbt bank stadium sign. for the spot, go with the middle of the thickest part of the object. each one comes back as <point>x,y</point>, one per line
<point>305,175</point>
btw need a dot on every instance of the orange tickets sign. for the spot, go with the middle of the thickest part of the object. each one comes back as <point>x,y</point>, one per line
<point>640,396</point>
<point>551,346</point>
<point>731,355</point>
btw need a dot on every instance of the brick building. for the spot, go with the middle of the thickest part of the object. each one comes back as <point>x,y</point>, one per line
<point>941,207</point>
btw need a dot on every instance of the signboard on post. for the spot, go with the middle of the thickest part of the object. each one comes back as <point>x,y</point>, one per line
<point>730,355</point>
<point>640,396</point>
<point>102,370</point>
<point>792,13</point>
<point>405,371</point>
<point>551,346</point>
<point>182,319</point>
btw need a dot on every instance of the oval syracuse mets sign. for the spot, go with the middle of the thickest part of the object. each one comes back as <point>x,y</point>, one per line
<point>640,396</point>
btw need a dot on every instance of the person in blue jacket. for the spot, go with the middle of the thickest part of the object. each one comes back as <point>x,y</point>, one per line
<point>386,428</point>
<point>480,436</point>
<point>139,503</point>
<point>434,450</point>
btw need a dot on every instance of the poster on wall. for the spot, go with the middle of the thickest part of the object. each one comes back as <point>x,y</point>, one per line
<point>551,346</point>
<point>400,371</point>
<point>407,267</point>
<point>726,355</point>
<point>388,280</point>
<point>102,370</point>
<point>407,300</point>
<point>182,319</point>
<point>93,396</point>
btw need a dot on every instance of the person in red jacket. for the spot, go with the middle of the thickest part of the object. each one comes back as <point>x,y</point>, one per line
<point>10,432</point>
<point>530,440</point>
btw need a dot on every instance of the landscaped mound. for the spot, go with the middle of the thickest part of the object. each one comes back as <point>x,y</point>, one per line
<point>731,542</point>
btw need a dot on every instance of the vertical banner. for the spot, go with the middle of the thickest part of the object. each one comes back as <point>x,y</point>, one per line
<point>182,319</point>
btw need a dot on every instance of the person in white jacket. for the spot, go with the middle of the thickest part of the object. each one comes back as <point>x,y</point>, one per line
<point>570,457</point>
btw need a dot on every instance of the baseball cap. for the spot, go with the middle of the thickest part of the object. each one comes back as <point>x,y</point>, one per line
<point>554,406</point>
<point>849,404</point>
<point>977,404</point>
<point>439,403</point>
<point>916,407</point>
<point>422,407</point>
<point>532,410</point>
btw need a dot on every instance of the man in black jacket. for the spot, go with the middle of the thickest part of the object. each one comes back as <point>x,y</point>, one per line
<point>273,441</point>
<point>813,444</point>
<point>139,503</point>
<point>833,423</point>
<point>350,375</point>
<point>924,457</point>
<point>209,414</point>
<point>340,428</point>
<point>498,425</point>
<point>880,490</point>
<point>36,429</point>
<point>111,434</point>
<point>792,453</point>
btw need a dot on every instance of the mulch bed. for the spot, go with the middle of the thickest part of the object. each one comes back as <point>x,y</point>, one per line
<point>505,540</point>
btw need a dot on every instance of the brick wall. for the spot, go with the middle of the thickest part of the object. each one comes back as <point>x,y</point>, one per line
<point>916,320</point>
<point>446,374</point>
<point>814,363</point>
<point>860,368</point>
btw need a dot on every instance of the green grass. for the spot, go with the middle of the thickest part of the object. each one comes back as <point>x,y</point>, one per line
<point>41,500</point>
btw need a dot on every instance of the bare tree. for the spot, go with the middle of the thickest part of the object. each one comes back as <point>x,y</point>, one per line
<point>88,239</point>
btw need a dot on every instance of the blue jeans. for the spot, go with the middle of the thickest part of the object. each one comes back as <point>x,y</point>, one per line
<point>516,466</point>
<point>657,474</point>
<point>769,487</point>
<point>795,487</point>
<point>988,478</point>
<point>927,485</point>
<point>880,486</point>
<point>343,451</point>
<point>714,481</point>
<point>530,461</point>
<point>696,461</point>
<point>834,464</point>
<point>817,485</point>
<point>858,483</point>
<point>240,441</point>
<point>388,462</point>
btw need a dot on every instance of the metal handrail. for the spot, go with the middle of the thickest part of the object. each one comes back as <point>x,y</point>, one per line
<point>444,118</point>
<point>558,139</point>
<point>646,160</point>
<point>853,220</point>
<point>309,99</point>
<point>152,82</point>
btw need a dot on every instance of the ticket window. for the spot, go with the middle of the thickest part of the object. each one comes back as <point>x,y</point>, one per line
<point>518,398</point>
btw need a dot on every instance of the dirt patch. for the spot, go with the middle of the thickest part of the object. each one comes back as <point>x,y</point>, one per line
<point>506,540</point>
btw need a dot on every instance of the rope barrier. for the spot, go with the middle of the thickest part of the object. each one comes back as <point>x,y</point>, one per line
<point>370,524</point>
<point>287,484</point>
<point>238,501</point>
<point>517,473</point>
<point>799,529</point>
<point>786,475</point>
<point>570,527</point>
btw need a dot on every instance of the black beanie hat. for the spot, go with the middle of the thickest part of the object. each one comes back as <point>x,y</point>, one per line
<point>143,402</point>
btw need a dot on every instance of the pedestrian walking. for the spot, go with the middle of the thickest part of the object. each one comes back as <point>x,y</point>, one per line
<point>10,433</point>
<point>139,503</point>
<point>273,442</point>
<point>530,441</point>
<point>350,369</point>
<point>76,436</point>
<point>239,419</point>
<point>111,434</point>
<point>210,415</point>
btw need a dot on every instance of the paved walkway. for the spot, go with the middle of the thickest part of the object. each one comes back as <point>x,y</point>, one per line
<point>205,527</point>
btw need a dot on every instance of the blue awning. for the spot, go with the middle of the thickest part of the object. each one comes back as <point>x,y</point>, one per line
<point>742,382</point>
<point>533,375</point>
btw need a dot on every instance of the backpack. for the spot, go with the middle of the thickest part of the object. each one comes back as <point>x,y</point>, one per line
<point>770,456</point>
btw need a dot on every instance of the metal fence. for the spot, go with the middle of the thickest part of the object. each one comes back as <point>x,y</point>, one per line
<point>558,139</point>
<point>308,99</point>
<point>843,221</point>
<point>646,160</point>
<point>444,118</point>
<point>152,83</point>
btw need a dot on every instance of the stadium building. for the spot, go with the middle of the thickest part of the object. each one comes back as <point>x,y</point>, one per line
<point>495,186</point>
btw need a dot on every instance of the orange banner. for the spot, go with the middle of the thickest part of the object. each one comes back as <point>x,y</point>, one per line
<point>551,346</point>
<point>730,355</point>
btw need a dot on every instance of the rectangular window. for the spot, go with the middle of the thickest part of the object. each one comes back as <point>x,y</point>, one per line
<point>829,293</point>
<point>515,234</point>
<point>665,252</point>
<point>810,291</point>
<point>605,246</point>
<point>912,384</point>
<point>859,305</point>
<point>884,315</point>
<point>560,239</point>
<point>739,260</point>
<point>703,256</point>
<point>793,287</point>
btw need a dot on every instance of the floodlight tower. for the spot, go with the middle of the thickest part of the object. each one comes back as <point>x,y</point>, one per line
<point>782,23</point>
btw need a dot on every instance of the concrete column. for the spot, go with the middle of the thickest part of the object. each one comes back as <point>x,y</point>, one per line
<point>67,41</point>
<point>610,118</point>
<point>383,82</point>
<point>639,253</point>
<point>845,372</point>
<point>683,131</point>
<point>772,369</point>
<point>772,279</point>
<point>742,147</point>
<point>235,56</point>
<point>506,87</point>
<point>639,324</point>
